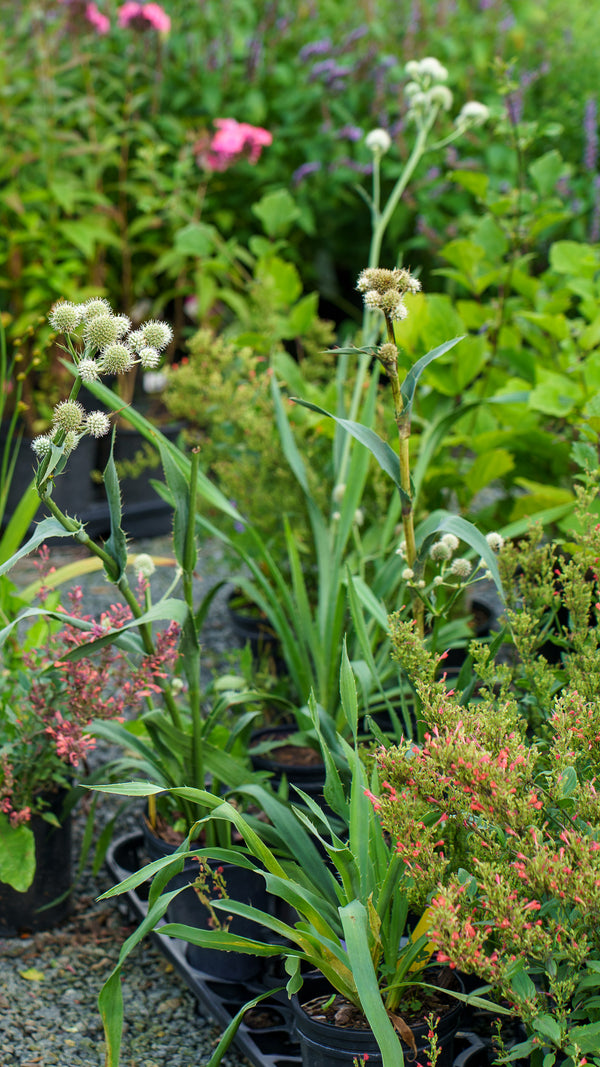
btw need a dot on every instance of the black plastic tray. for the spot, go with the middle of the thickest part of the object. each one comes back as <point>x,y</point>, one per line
<point>266,1036</point>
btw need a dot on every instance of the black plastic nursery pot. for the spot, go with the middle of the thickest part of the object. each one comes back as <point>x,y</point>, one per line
<point>188,909</point>
<point>251,627</point>
<point>302,765</point>
<point>47,901</point>
<point>324,1044</point>
<point>268,1035</point>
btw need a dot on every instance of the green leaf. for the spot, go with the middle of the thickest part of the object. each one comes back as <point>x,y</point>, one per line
<point>409,384</point>
<point>348,692</point>
<point>195,239</point>
<point>44,530</point>
<point>356,932</point>
<point>548,1028</point>
<point>17,854</point>
<point>233,1027</point>
<point>522,985</point>
<point>116,545</point>
<point>277,211</point>
<point>573,257</point>
<point>546,171</point>
<point>385,456</point>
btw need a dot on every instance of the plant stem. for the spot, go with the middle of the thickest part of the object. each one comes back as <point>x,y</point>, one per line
<point>402,421</point>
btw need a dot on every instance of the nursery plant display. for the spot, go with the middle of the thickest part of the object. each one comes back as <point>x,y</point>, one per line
<point>184,732</point>
<point>495,813</point>
<point>346,904</point>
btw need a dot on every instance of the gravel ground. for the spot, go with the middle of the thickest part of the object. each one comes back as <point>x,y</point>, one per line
<point>49,982</point>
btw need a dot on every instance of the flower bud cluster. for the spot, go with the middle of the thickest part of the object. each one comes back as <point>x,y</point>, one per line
<point>384,290</point>
<point>426,89</point>
<point>100,342</point>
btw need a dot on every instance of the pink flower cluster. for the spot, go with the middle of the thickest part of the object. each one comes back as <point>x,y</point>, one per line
<point>140,16</point>
<point>80,12</point>
<point>233,140</point>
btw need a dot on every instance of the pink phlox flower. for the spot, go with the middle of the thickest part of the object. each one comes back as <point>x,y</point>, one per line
<point>142,15</point>
<point>100,22</point>
<point>233,140</point>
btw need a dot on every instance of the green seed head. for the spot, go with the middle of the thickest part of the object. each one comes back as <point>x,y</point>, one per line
<point>68,415</point>
<point>65,317</point>
<point>101,331</point>
<point>116,358</point>
<point>157,334</point>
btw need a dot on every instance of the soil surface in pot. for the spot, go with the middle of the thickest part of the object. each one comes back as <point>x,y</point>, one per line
<point>291,755</point>
<point>337,1011</point>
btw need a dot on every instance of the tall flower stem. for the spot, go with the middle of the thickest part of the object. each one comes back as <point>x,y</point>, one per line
<point>402,420</point>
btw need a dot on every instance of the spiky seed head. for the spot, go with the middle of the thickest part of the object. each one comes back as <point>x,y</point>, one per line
<point>97,423</point>
<point>136,341</point>
<point>157,334</point>
<point>41,445</point>
<point>399,312</point>
<point>372,300</point>
<point>65,316</point>
<point>101,330</point>
<point>97,305</point>
<point>149,357</point>
<point>388,356</point>
<point>68,415</point>
<point>72,439</point>
<point>87,369</point>
<point>116,359</point>
<point>123,325</point>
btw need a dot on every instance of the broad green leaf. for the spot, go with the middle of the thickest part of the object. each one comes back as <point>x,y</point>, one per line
<point>17,854</point>
<point>195,239</point>
<point>355,924</point>
<point>277,211</point>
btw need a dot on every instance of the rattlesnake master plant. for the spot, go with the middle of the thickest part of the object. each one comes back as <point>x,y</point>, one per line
<point>181,740</point>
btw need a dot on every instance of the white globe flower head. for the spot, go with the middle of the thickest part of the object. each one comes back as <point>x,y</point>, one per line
<point>123,325</point>
<point>97,305</point>
<point>412,88</point>
<point>97,424</point>
<point>72,439</point>
<point>68,415</point>
<point>87,369</point>
<point>461,568</point>
<point>408,574</point>
<point>440,96</point>
<point>378,141</point>
<point>65,317</point>
<point>149,357</point>
<point>431,69</point>
<point>157,334</point>
<point>473,113</point>
<point>41,445</point>
<point>451,541</point>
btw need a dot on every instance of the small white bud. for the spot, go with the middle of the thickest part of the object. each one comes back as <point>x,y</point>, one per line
<point>88,370</point>
<point>461,568</point>
<point>144,565</point>
<point>359,516</point>
<point>495,540</point>
<point>473,113</point>
<point>408,574</point>
<point>451,541</point>
<point>438,580</point>
<point>378,141</point>
<point>149,357</point>
<point>338,492</point>
<point>440,95</point>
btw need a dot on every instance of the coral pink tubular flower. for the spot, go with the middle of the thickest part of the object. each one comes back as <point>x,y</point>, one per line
<point>99,21</point>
